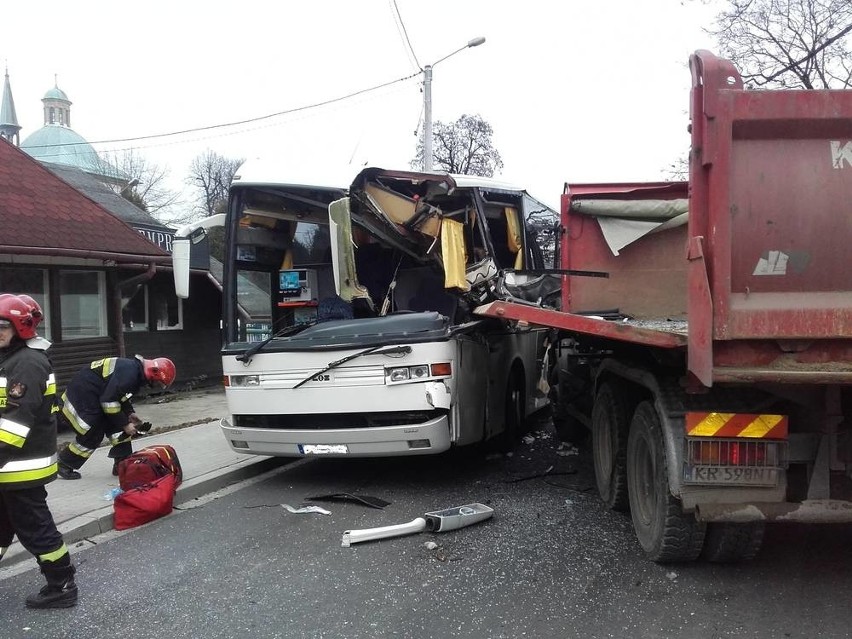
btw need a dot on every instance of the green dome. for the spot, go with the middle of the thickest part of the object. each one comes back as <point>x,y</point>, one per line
<point>60,145</point>
<point>56,94</point>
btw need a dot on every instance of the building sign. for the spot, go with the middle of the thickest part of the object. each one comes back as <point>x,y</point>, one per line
<point>199,257</point>
<point>161,236</point>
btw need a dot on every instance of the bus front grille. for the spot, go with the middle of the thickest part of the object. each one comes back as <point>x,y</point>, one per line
<point>329,421</point>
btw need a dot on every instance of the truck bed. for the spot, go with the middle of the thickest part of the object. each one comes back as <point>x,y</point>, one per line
<point>661,333</point>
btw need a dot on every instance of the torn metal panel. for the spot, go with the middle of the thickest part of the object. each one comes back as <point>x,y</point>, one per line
<point>422,238</point>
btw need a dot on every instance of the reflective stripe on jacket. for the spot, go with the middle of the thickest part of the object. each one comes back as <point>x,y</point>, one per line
<point>102,391</point>
<point>27,423</point>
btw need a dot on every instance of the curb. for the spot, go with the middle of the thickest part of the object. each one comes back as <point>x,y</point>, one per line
<point>97,522</point>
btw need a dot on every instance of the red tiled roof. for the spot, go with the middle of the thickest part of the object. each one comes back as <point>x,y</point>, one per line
<point>40,212</point>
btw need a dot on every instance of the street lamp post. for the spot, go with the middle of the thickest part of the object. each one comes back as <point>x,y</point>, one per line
<point>427,102</point>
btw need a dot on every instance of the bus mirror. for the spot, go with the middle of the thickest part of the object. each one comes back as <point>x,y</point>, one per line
<point>197,235</point>
<point>184,238</point>
<point>180,264</point>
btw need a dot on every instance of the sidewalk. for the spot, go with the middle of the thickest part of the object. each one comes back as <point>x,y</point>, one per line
<point>188,421</point>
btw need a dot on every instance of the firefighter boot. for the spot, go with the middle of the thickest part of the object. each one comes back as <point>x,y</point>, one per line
<point>60,591</point>
<point>66,472</point>
<point>66,467</point>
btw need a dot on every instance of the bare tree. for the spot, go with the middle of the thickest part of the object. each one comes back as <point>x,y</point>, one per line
<point>143,183</point>
<point>212,174</point>
<point>463,147</point>
<point>678,170</point>
<point>796,44</point>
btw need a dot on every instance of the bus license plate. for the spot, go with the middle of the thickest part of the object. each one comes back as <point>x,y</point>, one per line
<point>728,475</point>
<point>323,449</point>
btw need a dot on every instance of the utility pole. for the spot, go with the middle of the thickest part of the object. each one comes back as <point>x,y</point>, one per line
<point>427,102</point>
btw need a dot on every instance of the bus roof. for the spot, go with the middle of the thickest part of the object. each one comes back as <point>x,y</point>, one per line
<point>260,171</point>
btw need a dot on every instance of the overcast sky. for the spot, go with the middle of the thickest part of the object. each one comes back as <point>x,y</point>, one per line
<point>575,90</point>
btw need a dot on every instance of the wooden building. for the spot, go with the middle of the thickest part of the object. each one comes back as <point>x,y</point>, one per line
<point>105,287</point>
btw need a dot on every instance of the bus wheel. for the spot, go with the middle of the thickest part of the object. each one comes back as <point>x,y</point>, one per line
<point>513,411</point>
<point>611,415</point>
<point>728,542</point>
<point>665,532</point>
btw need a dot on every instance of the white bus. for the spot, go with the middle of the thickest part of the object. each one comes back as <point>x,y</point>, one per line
<point>347,313</point>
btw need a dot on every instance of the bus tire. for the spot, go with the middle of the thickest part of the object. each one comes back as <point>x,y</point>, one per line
<point>664,531</point>
<point>728,542</point>
<point>611,415</point>
<point>515,407</point>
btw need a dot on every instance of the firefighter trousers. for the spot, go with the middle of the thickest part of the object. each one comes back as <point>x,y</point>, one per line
<point>85,443</point>
<point>24,512</point>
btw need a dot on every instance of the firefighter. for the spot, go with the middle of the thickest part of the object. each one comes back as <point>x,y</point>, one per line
<point>97,404</point>
<point>28,450</point>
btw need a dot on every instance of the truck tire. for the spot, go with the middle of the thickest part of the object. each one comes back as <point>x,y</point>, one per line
<point>733,542</point>
<point>611,415</point>
<point>665,532</point>
<point>569,385</point>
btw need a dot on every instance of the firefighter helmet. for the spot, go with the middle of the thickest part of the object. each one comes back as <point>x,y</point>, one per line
<point>22,312</point>
<point>160,370</point>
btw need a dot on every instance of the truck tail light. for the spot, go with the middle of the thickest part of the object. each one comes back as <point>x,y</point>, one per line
<point>722,452</point>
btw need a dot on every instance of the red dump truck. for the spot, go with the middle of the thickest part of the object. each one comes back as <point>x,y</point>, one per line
<point>706,326</point>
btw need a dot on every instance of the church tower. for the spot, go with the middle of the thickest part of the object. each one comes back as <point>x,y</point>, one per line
<point>57,106</point>
<point>9,127</point>
<point>57,143</point>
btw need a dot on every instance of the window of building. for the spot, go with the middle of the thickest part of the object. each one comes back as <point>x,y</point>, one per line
<point>52,115</point>
<point>134,309</point>
<point>165,308</point>
<point>32,282</point>
<point>169,313</point>
<point>83,303</point>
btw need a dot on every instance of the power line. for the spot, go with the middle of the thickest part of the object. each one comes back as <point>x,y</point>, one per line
<point>405,33</point>
<point>166,143</point>
<point>239,122</point>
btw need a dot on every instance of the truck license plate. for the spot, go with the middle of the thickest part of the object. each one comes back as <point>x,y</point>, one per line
<point>730,475</point>
<point>323,449</point>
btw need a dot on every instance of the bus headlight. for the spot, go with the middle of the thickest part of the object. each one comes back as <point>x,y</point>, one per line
<point>244,381</point>
<point>419,372</point>
<point>398,374</point>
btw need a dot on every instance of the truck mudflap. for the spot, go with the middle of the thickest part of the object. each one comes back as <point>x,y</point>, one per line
<point>811,511</point>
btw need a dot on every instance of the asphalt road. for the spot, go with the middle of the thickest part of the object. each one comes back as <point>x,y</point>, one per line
<point>552,562</point>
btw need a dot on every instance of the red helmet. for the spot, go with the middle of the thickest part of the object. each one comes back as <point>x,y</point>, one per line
<point>22,312</point>
<point>160,370</point>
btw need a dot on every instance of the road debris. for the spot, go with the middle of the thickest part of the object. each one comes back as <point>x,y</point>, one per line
<point>367,500</point>
<point>434,521</point>
<point>566,448</point>
<point>306,509</point>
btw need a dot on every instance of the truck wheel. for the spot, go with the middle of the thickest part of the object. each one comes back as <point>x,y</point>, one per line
<point>731,542</point>
<point>611,415</point>
<point>568,387</point>
<point>665,532</point>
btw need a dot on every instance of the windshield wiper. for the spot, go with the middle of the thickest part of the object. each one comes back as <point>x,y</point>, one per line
<point>392,350</point>
<point>245,358</point>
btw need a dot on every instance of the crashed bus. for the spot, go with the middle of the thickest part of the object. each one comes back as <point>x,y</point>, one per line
<point>348,319</point>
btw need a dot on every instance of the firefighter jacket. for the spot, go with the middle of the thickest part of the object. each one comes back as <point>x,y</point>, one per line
<point>27,423</point>
<point>102,392</point>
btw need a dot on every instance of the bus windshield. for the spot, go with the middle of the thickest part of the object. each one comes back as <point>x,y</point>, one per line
<point>278,255</point>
